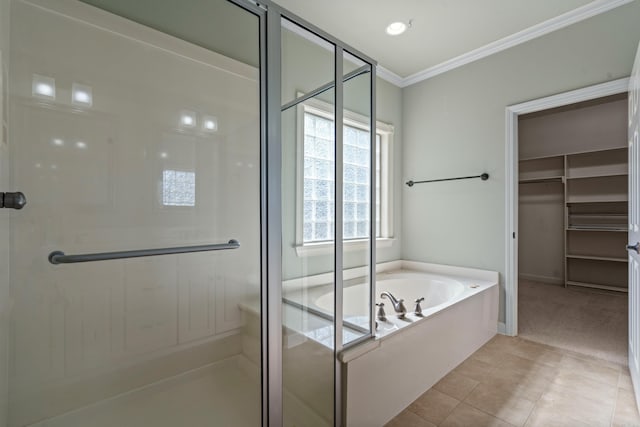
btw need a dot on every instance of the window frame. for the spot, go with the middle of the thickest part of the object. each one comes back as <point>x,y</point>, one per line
<point>350,118</point>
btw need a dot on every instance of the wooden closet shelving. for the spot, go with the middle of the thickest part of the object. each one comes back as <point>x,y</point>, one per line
<point>596,217</point>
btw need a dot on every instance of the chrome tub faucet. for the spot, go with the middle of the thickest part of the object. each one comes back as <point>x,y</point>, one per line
<point>398,305</point>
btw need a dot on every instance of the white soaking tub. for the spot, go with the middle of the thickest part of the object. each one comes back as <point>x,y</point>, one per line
<point>408,356</point>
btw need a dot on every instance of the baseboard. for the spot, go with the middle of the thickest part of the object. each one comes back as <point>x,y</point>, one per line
<point>542,279</point>
<point>502,328</point>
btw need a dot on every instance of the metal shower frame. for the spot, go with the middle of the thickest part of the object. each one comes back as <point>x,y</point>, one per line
<point>270,17</point>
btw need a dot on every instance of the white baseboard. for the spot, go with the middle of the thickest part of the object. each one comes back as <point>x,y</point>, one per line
<point>502,328</point>
<point>542,279</point>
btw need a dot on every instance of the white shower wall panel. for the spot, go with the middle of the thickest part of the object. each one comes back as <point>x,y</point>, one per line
<point>96,179</point>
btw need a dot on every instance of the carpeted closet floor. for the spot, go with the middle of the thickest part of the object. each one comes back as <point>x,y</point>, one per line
<point>581,320</point>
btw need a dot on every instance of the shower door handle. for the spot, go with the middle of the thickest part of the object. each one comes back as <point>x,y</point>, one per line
<point>15,200</point>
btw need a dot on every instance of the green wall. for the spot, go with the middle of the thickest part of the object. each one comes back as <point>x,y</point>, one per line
<point>454,125</point>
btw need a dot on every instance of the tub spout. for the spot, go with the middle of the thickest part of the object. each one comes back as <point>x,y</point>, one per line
<point>398,305</point>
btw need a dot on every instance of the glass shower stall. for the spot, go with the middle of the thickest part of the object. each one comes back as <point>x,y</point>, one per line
<point>179,179</point>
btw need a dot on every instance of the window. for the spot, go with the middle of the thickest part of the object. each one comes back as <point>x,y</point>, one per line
<point>316,197</point>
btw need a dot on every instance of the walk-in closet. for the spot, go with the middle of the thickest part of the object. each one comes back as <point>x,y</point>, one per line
<point>573,203</point>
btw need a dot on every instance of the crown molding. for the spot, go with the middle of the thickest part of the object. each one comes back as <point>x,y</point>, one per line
<point>389,76</point>
<point>561,21</point>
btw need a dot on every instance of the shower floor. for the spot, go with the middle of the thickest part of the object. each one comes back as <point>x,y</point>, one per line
<point>221,394</point>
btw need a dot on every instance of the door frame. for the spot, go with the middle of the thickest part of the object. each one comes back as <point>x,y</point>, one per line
<point>512,112</point>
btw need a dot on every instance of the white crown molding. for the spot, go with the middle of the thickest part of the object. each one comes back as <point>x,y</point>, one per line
<point>389,76</point>
<point>561,21</point>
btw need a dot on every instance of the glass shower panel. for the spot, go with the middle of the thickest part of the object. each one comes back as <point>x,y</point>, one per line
<point>308,247</point>
<point>357,187</point>
<point>124,137</point>
<point>313,59</point>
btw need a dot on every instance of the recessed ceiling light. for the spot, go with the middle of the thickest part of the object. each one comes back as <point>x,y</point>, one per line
<point>396,28</point>
<point>81,144</point>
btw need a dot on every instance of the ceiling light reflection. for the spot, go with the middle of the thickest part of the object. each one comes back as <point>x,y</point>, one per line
<point>43,87</point>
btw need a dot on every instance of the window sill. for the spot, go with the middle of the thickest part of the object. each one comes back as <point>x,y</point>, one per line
<point>311,249</point>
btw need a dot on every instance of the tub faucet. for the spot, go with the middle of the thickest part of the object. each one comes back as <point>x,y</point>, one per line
<point>398,305</point>
<point>418,310</point>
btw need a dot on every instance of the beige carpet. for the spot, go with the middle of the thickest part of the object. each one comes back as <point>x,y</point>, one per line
<point>584,321</point>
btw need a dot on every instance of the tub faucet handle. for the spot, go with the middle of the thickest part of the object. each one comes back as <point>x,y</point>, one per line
<point>382,316</point>
<point>418,310</point>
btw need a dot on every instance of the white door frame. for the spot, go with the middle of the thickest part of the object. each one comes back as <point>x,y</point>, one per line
<point>511,180</point>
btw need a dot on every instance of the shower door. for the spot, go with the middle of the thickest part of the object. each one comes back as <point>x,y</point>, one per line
<point>133,126</point>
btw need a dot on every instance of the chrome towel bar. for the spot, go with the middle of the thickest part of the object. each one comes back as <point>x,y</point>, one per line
<point>59,257</point>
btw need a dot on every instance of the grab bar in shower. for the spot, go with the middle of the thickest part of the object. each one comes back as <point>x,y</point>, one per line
<point>484,177</point>
<point>59,257</point>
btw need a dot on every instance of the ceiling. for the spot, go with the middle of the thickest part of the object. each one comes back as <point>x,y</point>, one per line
<point>442,31</point>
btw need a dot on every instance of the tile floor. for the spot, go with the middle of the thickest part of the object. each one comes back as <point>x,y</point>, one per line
<point>514,382</point>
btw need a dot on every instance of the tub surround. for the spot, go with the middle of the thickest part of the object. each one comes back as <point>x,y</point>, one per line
<point>406,357</point>
<point>402,365</point>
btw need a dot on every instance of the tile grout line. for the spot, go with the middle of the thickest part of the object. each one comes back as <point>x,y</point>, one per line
<point>615,404</point>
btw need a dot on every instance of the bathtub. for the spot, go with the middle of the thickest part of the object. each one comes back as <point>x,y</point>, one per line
<point>408,356</point>
<point>438,290</point>
<point>382,376</point>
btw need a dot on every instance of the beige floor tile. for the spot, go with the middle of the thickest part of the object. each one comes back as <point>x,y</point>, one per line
<point>529,368</point>
<point>626,412</point>
<point>407,418</point>
<point>433,406</point>
<point>545,416</point>
<point>527,386</point>
<point>596,360</point>
<point>602,372</point>
<point>491,354</point>
<point>467,416</point>
<point>501,340</point>
<point>624,381</point>
<point>567,404</point>
<point>475,369</point>
<point>456,385</point>
<point>501,403</point>
<point>539,353</point>
<point>574,382</point>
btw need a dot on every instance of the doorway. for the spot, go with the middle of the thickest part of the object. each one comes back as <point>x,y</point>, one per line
<point>513,114</point>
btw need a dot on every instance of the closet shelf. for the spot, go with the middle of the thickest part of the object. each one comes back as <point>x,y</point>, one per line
<point>598,258</point>
<point>542,180</point>
<point>603,175</point>
<point>598,215</point>
<point>596,201</point>
<point>597,286</point>
<point>597,228</point>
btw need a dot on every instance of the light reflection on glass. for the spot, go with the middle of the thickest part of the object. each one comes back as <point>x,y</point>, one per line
<point>188,119</point>
<point>43,86</point>
<point>81,95</point>
<point>210,124</point>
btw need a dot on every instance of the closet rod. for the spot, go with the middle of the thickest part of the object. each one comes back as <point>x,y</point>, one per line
<point>484,177</point>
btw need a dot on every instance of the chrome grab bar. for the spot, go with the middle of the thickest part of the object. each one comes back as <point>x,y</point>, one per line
<point>59,257</point>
